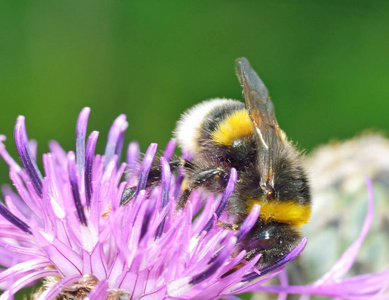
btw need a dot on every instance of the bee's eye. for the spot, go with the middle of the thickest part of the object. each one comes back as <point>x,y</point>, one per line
<point>263,244</point>
<point>266,243</point>
<point>265,240</point>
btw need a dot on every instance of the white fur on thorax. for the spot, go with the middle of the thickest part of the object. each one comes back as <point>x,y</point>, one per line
<point>188,127</point>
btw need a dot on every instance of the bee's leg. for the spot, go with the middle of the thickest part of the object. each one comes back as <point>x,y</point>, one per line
<point>153,178</point>
<point>223,225</point>
<point>234,269</point>
<point>202,178</point>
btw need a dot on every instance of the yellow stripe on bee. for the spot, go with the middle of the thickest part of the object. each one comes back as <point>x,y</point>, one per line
<point>235,126</point>
<point>288,212</point>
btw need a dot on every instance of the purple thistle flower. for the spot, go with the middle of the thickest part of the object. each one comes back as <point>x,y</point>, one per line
<point>66,226</point>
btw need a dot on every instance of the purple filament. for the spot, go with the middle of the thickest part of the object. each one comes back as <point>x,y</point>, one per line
<point>74,186</point>
<point>21,141</point>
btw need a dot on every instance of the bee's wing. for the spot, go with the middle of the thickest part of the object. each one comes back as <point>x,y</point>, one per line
<point>261,112</point>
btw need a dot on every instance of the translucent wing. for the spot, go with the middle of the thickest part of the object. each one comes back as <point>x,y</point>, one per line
<point>261,112</point>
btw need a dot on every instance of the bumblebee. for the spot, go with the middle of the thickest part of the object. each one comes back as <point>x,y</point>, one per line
<point>221,134</point>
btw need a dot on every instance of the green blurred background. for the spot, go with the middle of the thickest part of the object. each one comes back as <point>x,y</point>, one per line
<point>325,63</point>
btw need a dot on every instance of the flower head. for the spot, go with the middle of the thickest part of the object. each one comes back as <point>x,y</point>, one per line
<point>66,226</point>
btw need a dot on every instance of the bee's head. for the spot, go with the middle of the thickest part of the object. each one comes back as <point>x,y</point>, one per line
<point>273,240</point>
